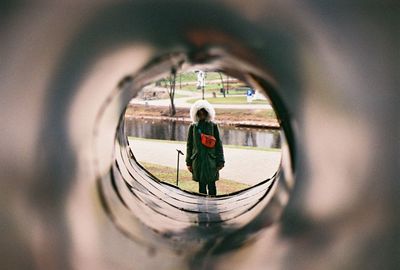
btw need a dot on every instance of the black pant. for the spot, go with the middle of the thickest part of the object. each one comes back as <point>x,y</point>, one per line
<point>212,189</point>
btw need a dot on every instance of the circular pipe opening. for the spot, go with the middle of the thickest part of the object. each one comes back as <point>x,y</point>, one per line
<point>247,125</point>
<point>152,212</point>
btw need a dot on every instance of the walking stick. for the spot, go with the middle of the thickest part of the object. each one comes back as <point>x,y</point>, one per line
<point>177,167</point>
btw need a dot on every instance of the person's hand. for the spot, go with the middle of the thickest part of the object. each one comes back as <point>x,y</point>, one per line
<point>190,168</point>
<point>220,167</point>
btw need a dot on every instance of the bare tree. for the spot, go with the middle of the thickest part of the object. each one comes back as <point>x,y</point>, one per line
<point>222,83</point>
<point>171,91</point>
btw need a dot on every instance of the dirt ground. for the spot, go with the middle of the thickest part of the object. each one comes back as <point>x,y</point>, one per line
<point>263,117</point>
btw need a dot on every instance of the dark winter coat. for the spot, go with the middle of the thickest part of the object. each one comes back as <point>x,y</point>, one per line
<point>203,160</point>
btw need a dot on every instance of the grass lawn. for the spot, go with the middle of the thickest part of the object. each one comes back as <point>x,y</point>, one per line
<point>208,88</point>
<point>189,79</point>
<point>214,87</point>
<point>214,76</point>
<point>180,96</point>
<point>168,175</point>
<point>192,76</point>
<point>230,100</point>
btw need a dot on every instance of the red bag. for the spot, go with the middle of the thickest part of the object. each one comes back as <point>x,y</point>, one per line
<point>208,140</point>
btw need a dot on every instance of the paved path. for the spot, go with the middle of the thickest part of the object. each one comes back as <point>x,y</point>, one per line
<point>182,102</point>
<point>241,165</point>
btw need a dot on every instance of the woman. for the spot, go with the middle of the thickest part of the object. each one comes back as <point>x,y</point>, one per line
<point>204,151</point>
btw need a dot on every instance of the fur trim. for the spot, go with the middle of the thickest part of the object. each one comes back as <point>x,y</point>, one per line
<point>202,104</point>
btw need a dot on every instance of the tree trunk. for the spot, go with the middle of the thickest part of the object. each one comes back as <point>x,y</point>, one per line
<point>172,83</point>
<point>172,110</point>
<point>222,83</point>
<point>227,84</point>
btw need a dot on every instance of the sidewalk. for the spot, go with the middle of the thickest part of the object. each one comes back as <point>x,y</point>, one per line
<point>241,165</point>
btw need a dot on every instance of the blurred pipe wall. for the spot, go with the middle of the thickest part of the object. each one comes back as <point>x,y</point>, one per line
<point>336,65</point>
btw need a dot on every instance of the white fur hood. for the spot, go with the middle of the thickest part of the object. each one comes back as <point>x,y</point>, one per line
<point>202,104</point>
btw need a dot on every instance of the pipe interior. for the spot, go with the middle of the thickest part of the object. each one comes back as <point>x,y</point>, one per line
<point>180,219</point>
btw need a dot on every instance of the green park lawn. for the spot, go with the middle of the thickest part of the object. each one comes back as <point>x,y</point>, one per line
<point>192,76</point>
<point>168,175</point>
<point>214,87</point>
